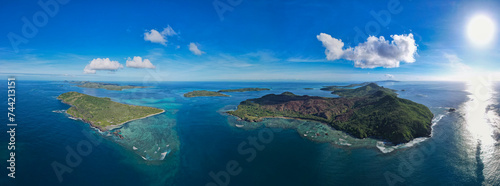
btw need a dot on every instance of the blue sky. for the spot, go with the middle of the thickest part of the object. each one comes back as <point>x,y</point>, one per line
<point>247,41</point>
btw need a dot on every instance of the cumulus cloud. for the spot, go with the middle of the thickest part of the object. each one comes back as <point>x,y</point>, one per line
<point>389,76</point>
<point>101,64</point>
<point>156,37</point>
<point>375,52</point>
<point>194,49</point>
<point>87,70</point>
<point>137,62</point>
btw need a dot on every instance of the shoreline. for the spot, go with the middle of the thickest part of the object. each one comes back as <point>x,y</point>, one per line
<point>281,117</point>
<point>111,127</point>
<point>411,142</point>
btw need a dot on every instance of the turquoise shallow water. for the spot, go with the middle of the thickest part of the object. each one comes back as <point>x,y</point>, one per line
<point>194,138</point>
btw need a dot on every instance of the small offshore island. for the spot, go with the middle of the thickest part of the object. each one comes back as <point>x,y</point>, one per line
<point>107,86</point>
<point>367,111</point>
<point>103,113</point>
<point>206,93</point>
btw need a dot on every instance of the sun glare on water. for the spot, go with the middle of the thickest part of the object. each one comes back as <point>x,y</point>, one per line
<point>477,115</point>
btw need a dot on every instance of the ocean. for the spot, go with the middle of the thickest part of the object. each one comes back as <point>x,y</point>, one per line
<point>195,143</point>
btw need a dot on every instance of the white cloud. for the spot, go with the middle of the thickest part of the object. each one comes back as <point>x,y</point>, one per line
<point>194,49</point>
<point>169,31</point>
<point>156,37</point>
<point>101,64</point>
<point>87,70</point>
<point>375,52</point>
<point>389,76</point>
<point>137,62</point>
<point>456,63</point>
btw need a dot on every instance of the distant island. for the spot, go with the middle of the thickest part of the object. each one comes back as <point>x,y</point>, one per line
<point>368,89</point>
<point>244,90</point>
<point>308,88</point>
<point>338,87</point>
<point>368,111</point>
<point>107,86</point>
<point>103,113</point>
<point>204,93</point>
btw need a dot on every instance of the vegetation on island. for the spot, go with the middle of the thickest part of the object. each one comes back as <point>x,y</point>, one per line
<point>363,91</point>
<point>368,111</point>
<point>244,90</point>
<point>102,112</point>
<point>204,93</point>
<point>107,86</point>
<point>338,87</point>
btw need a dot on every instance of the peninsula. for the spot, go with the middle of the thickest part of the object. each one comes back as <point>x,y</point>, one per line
<point>103,113</point>
<point>107,86</point>
<point>204,93</point>
<point>367,111</point>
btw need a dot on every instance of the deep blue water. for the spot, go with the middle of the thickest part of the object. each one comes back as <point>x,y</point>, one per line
<point>198,139</point>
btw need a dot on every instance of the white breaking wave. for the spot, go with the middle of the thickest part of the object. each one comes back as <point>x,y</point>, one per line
<point>59,111</point>
<point>387,149</point>
<point>164,154</point>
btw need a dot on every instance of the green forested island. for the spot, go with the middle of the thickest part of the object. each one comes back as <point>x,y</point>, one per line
<point>368,111</point>
<point>204,93</point>
<point>107,86</point>
<point>244,89</point>
<point>338,87</point>
<point>102,112</point>
<point>368,89</point>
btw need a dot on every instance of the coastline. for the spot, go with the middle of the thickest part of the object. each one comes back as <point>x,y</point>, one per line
<point>282,117</point>
<point>383,147</point>
<point>111,127</point>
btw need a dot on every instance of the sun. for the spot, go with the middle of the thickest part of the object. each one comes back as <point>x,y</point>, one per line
<point>481,30</point>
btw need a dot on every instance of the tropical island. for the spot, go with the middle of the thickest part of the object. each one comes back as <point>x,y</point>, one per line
<point>244,90</point>
<point>103,113</point>
<point>338,87</point>
<point>368,111</point>
<point>107,86</point>
<point>204,93</point>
